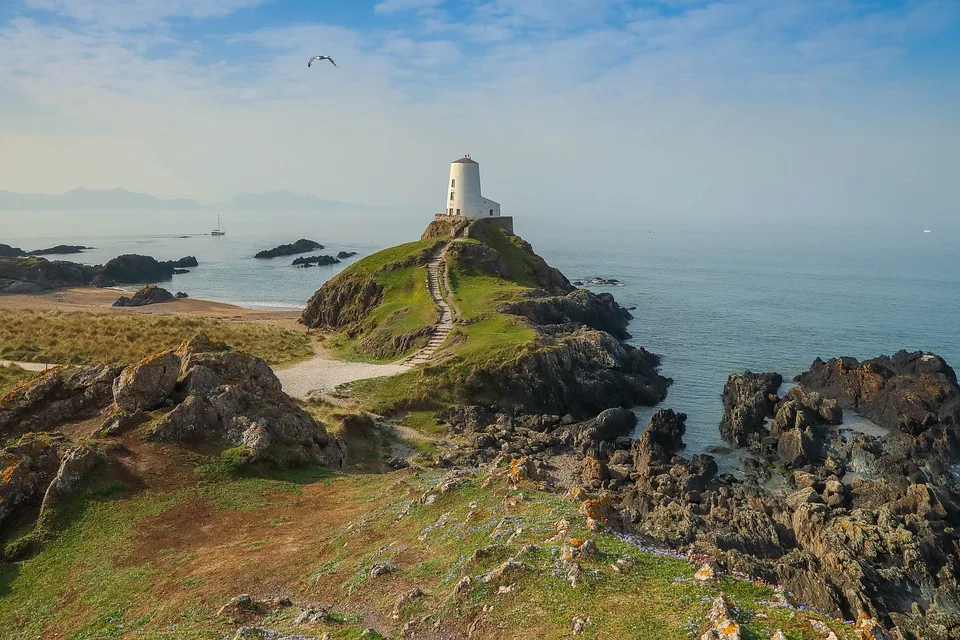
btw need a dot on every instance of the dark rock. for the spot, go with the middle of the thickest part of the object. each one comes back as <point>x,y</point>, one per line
<point>185,263</point>
<point>606,427</point>
<point>343,255</point>
<point>342,302</point>
<point>122,421</point>
<point>300,246</point>
<point>467,419</point>
<point>146,295</point>
<point>60,249</point>
<point>60,395</point>
<point>180,272</point>
<point>907,391</point>
<point>180,295</point>
<point>748,400</point>
<point>134,269</point>
<point>319,261</point>
<point>6,251</point>
<point>599,312</point>
<point>660,441</point>
<point>33,275</point>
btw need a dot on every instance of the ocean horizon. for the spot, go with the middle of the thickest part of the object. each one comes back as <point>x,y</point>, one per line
<point>710,301</point>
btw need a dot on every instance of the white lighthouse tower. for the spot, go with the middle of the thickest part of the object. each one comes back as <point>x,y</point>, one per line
<point>463,194</point>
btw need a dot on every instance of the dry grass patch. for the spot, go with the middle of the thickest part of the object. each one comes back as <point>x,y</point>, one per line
<point>81,338</point>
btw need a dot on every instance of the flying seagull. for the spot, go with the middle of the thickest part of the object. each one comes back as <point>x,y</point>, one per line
<point>315,58</point>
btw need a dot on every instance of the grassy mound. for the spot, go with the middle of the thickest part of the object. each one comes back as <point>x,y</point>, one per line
<point>159,562</point>
<point>84,338</point>
<point>11,376</point>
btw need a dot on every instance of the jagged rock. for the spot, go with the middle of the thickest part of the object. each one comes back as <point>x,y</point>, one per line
<point>134,269</point>
<point>300,246</point>
<point>180,295</point>
<point>147,384</point>
<point>243,607</point>
<point>509,568</point>
<point>185,263</point>
<point>75,465</point>
<point>41,469</point>
<point>662,438</point>
<point>382,569</point>
<point>319,261</point>
<point>797,447</point>
<point>478,258</point>
<point>608,426</point>
<point>60,395</point>
<point>343,255</point>
<point>598,311</point>
<point>33,275</point>
<point>236,398</point>
<point>578,625</point>
<point>748,399</point>
<point>907,391</point>
<point>467,419</point>
<point>144,296</point>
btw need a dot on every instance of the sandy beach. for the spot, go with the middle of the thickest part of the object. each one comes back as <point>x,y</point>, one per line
<point>97,300</point>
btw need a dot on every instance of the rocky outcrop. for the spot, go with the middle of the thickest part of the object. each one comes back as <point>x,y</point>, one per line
<point>445,227</point>
<point>61,395</point>
<point>6,251</point>
<point>315,261</point>
<point>144,296</point>
<point>529,267</point>
<point>34,275</point>
<point>40,470</point>
<point>59,250</point>
<point>748,400</point>
<point>300,246</point>
<point>136,269</point>
<point>185,263</point>
<point>343,302</point>
<point>227,397</point>
<point>906,391</point>
<point>343,255</point>
<point>600,312</point>
<point>478,258</point>
<point>581,372</point>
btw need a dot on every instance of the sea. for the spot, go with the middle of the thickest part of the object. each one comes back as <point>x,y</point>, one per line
<point>710,299</point>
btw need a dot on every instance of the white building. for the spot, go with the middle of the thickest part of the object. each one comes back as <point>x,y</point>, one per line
<point>463,194</point>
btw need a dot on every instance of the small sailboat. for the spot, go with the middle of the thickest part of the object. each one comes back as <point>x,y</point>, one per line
<point>219,230</point>
<point>927,229</point>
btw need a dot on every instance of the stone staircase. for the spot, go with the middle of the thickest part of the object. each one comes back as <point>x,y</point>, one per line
<point>445,325</point>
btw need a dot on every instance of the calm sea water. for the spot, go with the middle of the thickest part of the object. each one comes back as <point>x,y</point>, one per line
<point>710,302</point>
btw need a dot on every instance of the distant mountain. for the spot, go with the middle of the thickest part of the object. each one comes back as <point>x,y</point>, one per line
<point>121,199</point>
<point>285,201</point>
<point>92,199</point>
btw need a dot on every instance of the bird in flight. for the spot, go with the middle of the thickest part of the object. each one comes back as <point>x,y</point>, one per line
<point>315,58</point>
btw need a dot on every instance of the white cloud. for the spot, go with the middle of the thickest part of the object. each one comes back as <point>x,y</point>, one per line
<point>139,13</point>
<point>733,108</point>
<point>394,6</point>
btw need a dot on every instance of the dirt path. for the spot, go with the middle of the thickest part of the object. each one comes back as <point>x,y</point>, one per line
<point>436,284</point>
<point>323,375</point>
<point>27,366</point>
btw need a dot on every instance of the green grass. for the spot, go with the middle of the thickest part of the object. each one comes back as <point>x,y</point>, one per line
<point>11,376</point>
<point>83,338</point>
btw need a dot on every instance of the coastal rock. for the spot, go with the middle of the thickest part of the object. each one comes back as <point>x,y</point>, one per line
<point>133,269</point>
<point>343,255</point>
<point>62,394</point>
<point>300,246</point>
<point>478,258</point>
<point>33,275</point>
<point>180,295</point>
<point>609,425</point>
<point>319,261</point>
<point>144,296</point>
<point>581,372</point>
<point>600,312</point>
<point>60,249</point>
<point>906,391</point>
<point>662,438</point>
<point>748,400</point>
<point>232,398</point>
<point>6,251</point>
<point>40,469</point>
<point>533,267</point>
<point>185,263</point>
<point>342,302</point>
<point>147,384</point>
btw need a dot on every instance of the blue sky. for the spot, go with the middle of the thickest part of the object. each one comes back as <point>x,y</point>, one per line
<point>672,107</point>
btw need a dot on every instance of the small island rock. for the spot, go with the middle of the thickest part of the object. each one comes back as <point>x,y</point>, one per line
<point>147,295</point>
<point>300,246</point>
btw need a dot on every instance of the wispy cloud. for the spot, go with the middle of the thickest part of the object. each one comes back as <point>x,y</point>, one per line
<point>679,105</point>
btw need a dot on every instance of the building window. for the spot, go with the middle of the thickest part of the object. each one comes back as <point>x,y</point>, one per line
<point>451,196</point>
<point>491,211</point>
<point>453,183</point>
<point>458,211</point>
<point>451,211</point>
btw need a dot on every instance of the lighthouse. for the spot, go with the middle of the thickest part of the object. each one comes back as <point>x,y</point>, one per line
<point>463,196</point>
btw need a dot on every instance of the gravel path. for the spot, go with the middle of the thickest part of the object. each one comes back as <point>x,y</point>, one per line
<point>27,366</point>
<point>321,375</point>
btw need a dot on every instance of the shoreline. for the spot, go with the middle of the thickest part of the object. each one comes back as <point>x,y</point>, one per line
<point>100,300</point>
